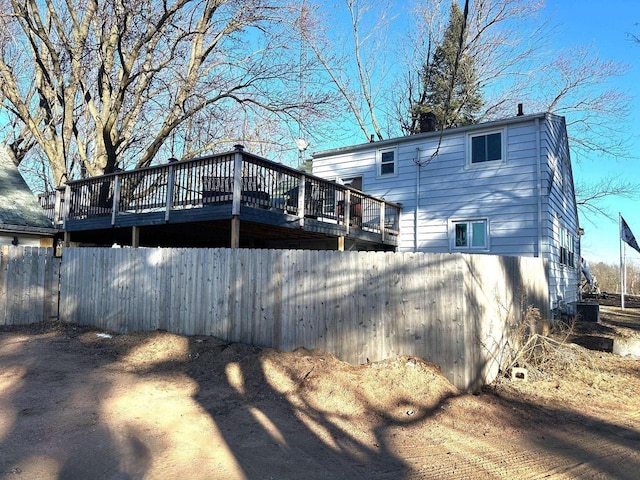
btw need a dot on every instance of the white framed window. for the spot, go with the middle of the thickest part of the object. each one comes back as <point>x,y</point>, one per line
<point>387,160</point>
<point>469,234</point>
<point>486,148</point>
<point>567,248</point>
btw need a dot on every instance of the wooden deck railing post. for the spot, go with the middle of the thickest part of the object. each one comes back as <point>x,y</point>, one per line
<point>66,209</point>
<point>116,199</point>
<point>237,197</point>
<point>301,196</point>
<point>383,206</point>
<point>170,189</point>
<point>347,210</point>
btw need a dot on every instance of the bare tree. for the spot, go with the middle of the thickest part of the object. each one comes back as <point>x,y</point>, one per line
<point>503,54</point>
<point>516,65</point>
<point>99,85</point>
<point>356,68</point>
<point>590,196</point>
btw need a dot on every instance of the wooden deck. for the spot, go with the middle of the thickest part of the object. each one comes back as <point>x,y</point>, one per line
<point>234,199</point>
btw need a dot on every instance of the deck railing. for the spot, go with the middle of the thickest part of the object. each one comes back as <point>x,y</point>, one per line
<point>237,178</point>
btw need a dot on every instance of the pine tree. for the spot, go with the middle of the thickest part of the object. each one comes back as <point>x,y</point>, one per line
<point>451,91</point>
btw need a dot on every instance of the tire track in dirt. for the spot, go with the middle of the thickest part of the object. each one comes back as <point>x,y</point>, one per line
<point>554,457</point>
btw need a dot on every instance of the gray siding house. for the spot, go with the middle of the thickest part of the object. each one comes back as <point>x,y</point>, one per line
<point>503,188</point>
<point>22,219</point>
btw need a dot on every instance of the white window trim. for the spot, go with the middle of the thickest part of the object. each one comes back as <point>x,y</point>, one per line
<point>491,163</point>
<point>451,230</point>
<point>379,153</point>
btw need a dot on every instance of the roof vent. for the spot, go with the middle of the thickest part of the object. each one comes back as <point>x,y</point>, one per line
<point>520,110</point>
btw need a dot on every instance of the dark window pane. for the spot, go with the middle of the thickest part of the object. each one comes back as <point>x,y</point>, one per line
<point>386,169</point>
<point>461,235</point>
<point>478,147</point>
<point>494,146</point>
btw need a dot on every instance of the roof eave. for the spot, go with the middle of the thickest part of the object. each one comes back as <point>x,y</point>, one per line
<point>436,133</point>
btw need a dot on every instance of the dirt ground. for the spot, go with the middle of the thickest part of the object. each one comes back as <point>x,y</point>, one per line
<point>77,403</point>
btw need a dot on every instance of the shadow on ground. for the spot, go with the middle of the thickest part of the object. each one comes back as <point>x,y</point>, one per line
<point>156,405</point>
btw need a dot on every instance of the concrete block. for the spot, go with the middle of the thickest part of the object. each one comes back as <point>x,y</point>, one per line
<point>519,373</point>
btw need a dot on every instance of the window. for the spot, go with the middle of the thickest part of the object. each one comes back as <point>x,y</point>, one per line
<point>387,162</point>
<point>470,235</point>
<point>486,147</point>
<point>567,249</point>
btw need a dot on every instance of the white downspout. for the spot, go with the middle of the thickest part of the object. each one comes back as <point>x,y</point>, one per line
<point>416,212</point>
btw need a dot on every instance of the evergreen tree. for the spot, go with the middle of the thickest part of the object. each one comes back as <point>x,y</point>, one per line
<point>450,84</point>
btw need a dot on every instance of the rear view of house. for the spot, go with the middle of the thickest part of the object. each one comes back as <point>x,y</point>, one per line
<point>502,188</point>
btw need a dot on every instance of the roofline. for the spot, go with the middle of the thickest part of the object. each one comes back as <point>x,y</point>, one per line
<point>436,133</point>
<point>8,228</point>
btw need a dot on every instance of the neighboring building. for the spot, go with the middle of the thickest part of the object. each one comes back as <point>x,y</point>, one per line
<point>503,187</point>
<point>22,219</point>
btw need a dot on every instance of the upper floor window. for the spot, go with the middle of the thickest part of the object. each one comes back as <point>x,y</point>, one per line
<point>487,147</point>
<point>469,234</point>
<point>387,162</point>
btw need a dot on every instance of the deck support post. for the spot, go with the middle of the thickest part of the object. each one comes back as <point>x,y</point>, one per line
<point>235,231</point>
<point>135,236</point>
<point>341,244</point>
<point>67,239</point>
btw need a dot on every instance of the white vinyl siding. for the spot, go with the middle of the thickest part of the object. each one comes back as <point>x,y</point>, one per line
<point>517,195</point>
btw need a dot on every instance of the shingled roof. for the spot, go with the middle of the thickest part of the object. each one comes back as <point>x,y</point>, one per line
<point>20,210</point>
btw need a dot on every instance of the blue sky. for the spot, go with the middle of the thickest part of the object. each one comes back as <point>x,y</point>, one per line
<point>606,28</point>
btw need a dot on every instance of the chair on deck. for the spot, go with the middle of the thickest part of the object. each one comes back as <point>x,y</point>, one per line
<point>219,190</point>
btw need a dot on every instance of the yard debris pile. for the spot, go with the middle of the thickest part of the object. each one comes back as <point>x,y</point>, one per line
<point>547,358</point>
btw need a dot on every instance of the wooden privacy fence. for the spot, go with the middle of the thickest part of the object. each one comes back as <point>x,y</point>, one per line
<point>28,285</point>
<point>457,311</point>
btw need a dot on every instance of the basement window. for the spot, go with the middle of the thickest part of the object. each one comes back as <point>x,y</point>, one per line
<point>469,234</point>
